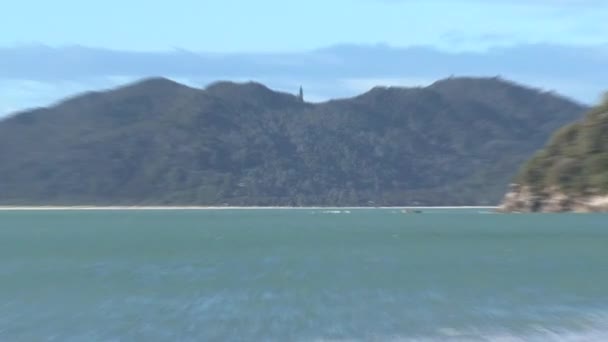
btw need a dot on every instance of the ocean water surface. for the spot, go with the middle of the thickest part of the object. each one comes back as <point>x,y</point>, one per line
<point>302,275</point>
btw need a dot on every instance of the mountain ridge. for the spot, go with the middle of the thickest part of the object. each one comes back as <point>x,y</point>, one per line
<point>156,141</point>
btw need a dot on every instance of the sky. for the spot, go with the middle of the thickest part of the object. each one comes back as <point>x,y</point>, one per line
<point>53,49</point>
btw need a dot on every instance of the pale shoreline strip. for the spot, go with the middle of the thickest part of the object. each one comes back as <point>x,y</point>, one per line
<point>39,208</point>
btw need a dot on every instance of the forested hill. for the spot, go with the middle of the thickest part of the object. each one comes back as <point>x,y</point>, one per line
<point>570,173</point>
<point>456,142</point>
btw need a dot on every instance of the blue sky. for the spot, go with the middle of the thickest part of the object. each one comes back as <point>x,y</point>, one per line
<point>472,37</point>
<point>286,25</point>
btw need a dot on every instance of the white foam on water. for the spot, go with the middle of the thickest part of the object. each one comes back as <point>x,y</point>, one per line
<point>538,335</point>
<point>591,328</point>
<point>332,212</point>
<point>595,335</point>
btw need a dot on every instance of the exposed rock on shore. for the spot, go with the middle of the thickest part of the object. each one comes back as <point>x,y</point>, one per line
<point>522,199</point>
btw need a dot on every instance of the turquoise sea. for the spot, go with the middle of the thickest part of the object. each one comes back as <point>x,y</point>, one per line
<point>302,275</point>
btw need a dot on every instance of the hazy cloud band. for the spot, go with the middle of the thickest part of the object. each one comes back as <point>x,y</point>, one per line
<point>33,75</point>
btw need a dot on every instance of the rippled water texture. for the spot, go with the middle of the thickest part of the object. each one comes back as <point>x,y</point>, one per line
<point>302,275</point>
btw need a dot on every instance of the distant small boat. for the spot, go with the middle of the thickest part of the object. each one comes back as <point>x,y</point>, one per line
<point>411,211</point>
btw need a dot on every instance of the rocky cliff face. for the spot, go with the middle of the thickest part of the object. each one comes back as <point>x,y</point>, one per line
<point>522,199</point>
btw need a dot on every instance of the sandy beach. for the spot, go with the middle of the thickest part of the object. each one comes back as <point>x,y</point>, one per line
<point>28,208</point>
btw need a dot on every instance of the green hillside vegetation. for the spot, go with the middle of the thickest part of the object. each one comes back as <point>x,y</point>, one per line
<point>156,142</point>
<point>576,158</point>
